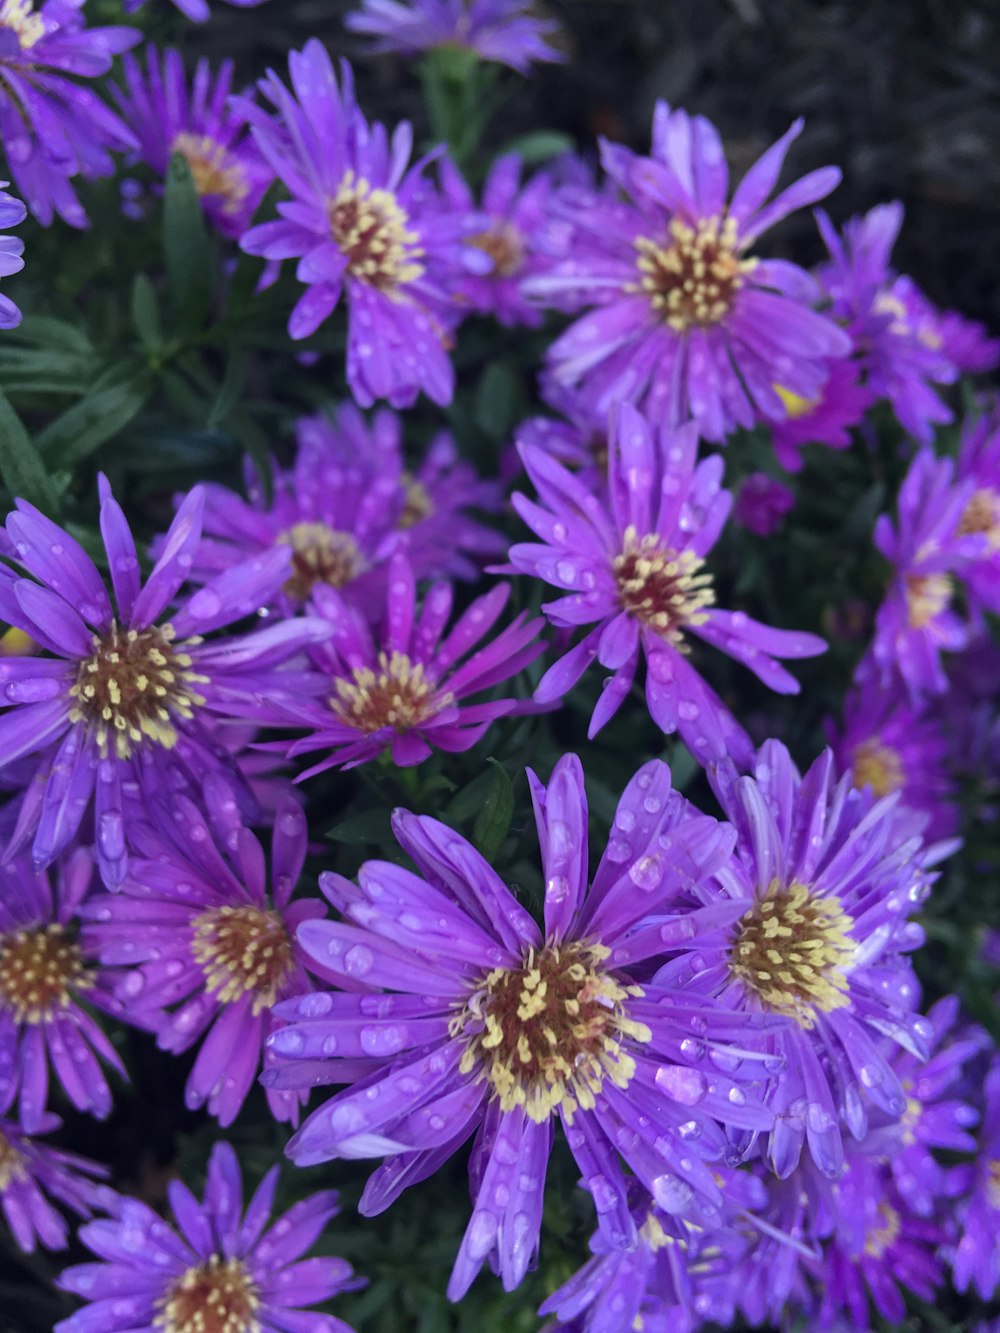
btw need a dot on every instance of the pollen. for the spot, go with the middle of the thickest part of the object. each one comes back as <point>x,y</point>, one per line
<point>504,245</point>
<point>12,1167</point>
<point>692,280</point>
<point>320,554</point>
<point>884,1233</point>
<point>795,405</point>
<point>927,595</point>
<point>547,1034</point>
<point>217,1297</point>
<point>877,766</point>
<point>40,968</point>
<point>242,950</point>
<point>371,230</point>
<point>418,504</point>
<point>214,169</point>
<point>20,17</point>
<point>792,949</point>
<point>399,694</point>
<point>982,515</point>
<point>663,588</point>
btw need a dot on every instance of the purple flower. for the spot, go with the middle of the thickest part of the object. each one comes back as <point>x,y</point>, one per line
<point>218,1268</point>
<point>196,10</point>
<point>889,319</point>
<point>403,689</point>
<point>115,704</point>
<point>762,503</point>
<point>52,126</point>
<point>492,1026</point>
<point>46,978</point>
<point>637,573</point>
<point>687,323</point>
<point>210,950</point>
<point>499,30</point>
<point>12,212</point>
<point>32,1173</point>
<point>168,117</point>
<point>364,226</point>
<point>580,442</point>
<point>975,1261</point>
<point>967,343</point>
<point>826,419</point>
<point>926,547</point>
<point>810,921</point>
<point>979,462</point>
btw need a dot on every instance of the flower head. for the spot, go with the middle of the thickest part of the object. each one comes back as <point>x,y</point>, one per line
<point>33,1173</point>
<point>219,1268</point>
<point>635,568</point>
<point>825,419</point>
<point>762,503</point>
<point>113,696</point>
<point>499,30</point>
<point>975,1260</point>
<point>167,117</point>
<point>485,1024</point>
<point>688,323</point>
<point>979,462</point>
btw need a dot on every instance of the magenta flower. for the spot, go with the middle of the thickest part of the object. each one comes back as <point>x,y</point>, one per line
<point>762,502</point>
<point>975,1260</point>
<point>363,226</point>
<point>52,125</point>
<point>486,1024</point>
<point>218,1268</point>
<point>12,212</point>
<point>500,30</point>
<point>826,419</point>
<point>111,701</point>
<point>209,948</point>
<point>637,573</point>
<point>404,688</point>
<point>33,1173</point>
<point>167,117</point>
<point>685,322</point>
<point>979,462</point>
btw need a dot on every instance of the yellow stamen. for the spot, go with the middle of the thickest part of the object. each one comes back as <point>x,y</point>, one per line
<point>661,587</point>
<point>371,229</point>
<point>215,171</point>
<point>399,695</point>
<point>40,968</point>
<point>877,766</point>
<point>692,279</point>
<point>242,950</point>
<point>216,1297</point>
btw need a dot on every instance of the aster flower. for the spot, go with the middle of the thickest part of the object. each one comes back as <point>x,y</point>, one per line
<point>580,441</point>
<point>762,503</point>
<point>979,462</point>
<point>218,1267</point>
<point>975,1260</point>
<point>489,1025</point>
<point>196,10</point>
<point>46,979</point>
<point>925,547</point>
<point>967,343</point>
<point>116,698</point>
<point>12,212</point>
<point>687,324</point>
<point>891,322</point>
<point>167,117</point>
<point>499,30</point>
<point>825,419</point>
<point>54,127</point>
<point>208,947</point>
<point>638,571</point>
<point>821,887</point>
<point>362,225</point>
<point>32,1173</point>
<point>403,689</point>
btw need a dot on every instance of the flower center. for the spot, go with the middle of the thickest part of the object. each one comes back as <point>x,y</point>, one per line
<point>909,1118</point>
<point>419,504</point>
<point>795,405</point>
<point>791,949</point>
<point>370,230</point>
<point>242,950</point>
<point>12,1166</point>
<point>692,281</point>
<point>39,970</point>
<point>927,595</point>
<point>504,245</point>
<point>662,587</point>
<point>400,695</point>
<point>982,514</point>
<point>546,1034</point>
<point>877,766</point>
<point>20,17</point>
<point>884,1233</point>
<point>217,1297</point>
<point>993,1182</point>
<point>213,168</point>
<point>135,685</point>
<point>320,555</point>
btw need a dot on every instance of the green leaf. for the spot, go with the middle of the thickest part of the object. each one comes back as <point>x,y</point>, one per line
<point>539,146</point>
<point>493,821</point>
<point>230,390</point>
<point>499,403</point>
<point>97,418</point>
<point>367,826</point>
<point>186,248</point>
<point>21,467</point>
<point>146,312</point>
<point>49,332</point>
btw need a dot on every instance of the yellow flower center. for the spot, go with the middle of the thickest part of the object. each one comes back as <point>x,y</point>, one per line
<point>215,170</point>
<point>371,230</point>
<point>12,1166</point>
<point>39,971</point>
<point>692,280</point>
<point>982,514</point>
<point>399,695</point>
<point>661,587</point>
<point>20,17</point>
<point>504,245</point>
<point>242,950</point>
<point>136,684</point>
<point>419,504</point>
<point>993,1182</point>
<point>909,1118</point>
<point>927,595</point>
<point>320,555</point>
<point>795,405</point>
<point>217,1297</point>
<point>884,1233</point>
<point>877,766</point>
<point>545,1035</point>
<point>791,950</point>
